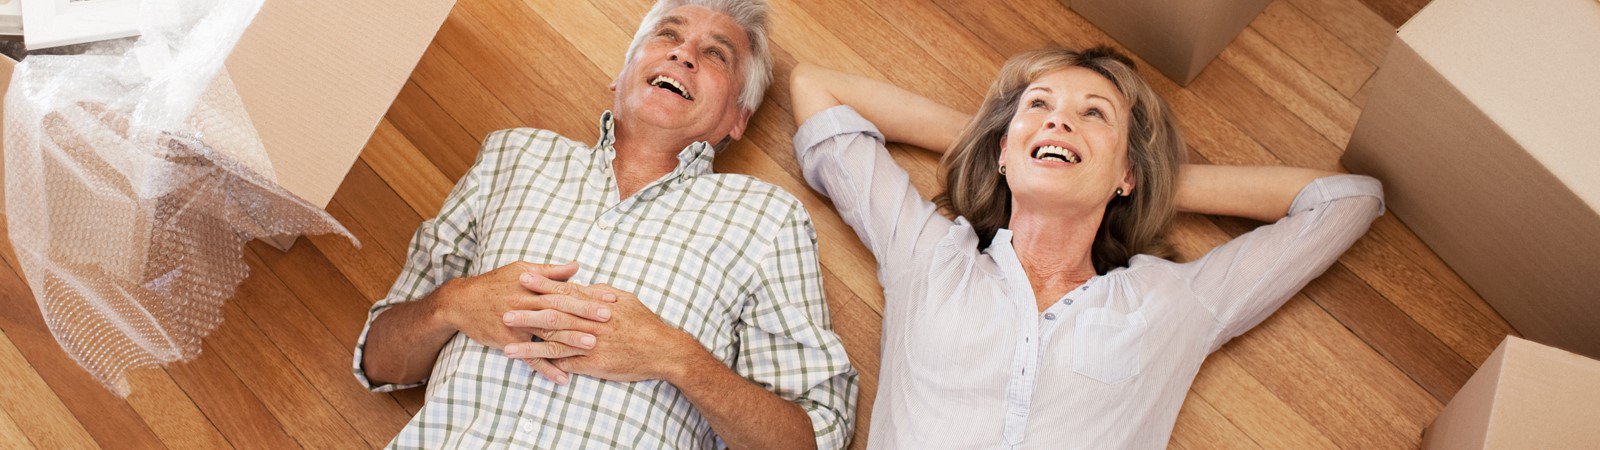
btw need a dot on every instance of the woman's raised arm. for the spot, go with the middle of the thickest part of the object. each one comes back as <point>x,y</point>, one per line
<point>902,116</point>
<point>1262,193</point>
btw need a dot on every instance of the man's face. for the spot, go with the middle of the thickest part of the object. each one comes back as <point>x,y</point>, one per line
<point>686,77</point>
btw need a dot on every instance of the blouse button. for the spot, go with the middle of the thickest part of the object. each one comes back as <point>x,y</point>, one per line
<point>1049,316</point>
<point>1067,301</point>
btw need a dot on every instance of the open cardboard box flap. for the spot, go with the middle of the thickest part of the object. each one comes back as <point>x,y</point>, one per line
<point>316,77</point>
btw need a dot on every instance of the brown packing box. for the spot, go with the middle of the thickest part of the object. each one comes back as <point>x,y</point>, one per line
<point>1526,395</point>
<point>1484,125</point>
<point>1177,37</point>
<point>316,76</point>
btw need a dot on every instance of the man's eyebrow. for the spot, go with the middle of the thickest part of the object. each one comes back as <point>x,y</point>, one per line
<point>670,20</point>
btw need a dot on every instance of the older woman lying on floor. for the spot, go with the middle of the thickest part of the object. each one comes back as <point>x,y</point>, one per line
<point>1044,315</point>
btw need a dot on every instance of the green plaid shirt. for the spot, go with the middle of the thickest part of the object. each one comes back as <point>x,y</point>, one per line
<point>727,258</point>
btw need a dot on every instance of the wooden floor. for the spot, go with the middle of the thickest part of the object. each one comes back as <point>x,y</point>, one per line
<point>1364,357</point>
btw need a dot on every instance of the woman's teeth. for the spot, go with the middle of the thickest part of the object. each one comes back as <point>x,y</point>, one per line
<point>1056,153</point>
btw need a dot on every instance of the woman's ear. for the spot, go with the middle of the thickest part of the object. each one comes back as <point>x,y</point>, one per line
<point>1003,139</point>
<point>1128,181</point>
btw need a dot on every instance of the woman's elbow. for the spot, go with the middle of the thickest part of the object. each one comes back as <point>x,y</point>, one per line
<point>808,92</point>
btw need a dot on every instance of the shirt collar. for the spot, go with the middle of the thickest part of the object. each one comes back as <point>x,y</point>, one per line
<point>694,160</point>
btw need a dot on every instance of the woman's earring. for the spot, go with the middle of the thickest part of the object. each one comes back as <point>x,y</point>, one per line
<point>1002,170</point>
<point>1119,192</point>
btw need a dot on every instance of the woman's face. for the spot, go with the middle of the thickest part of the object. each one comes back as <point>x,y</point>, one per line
<point>1067,145</point>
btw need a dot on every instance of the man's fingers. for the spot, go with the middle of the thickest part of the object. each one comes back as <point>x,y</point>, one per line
<point>576,339</point>
<point>550,371</point>
<point>547,319</point>
<point>603,292</point>
<point>542,350</point>
<point>538,283</point>
<point>551,271</point>
<point>581,307</point>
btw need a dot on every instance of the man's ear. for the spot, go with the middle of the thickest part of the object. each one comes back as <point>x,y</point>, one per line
<point>738,127</point>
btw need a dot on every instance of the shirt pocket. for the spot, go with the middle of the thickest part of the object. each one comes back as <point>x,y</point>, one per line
<point>1108,345</point>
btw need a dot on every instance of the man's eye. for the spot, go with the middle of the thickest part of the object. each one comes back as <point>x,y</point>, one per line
<point>717,54</point>
<point>669,34</point>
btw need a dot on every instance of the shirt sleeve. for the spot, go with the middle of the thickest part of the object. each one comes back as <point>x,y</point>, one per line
<point>442,248</point>
<point>787,344</point>
<point>844,158</point>
<point>1247,279</point>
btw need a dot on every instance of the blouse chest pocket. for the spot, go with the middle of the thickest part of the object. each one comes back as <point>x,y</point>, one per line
<point>1108,345</point>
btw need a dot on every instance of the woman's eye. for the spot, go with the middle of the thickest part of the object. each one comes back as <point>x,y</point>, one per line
<point>1036,104</point>
<point>1095,112</point>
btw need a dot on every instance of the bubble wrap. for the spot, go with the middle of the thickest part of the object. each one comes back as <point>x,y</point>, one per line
<point>133,181</point>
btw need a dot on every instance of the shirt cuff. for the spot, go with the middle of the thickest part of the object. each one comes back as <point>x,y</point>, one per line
<point>835,121</point>
<point>1335,187</point>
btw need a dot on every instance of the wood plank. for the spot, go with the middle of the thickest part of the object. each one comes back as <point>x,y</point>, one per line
<point>1425,295</point>
<point>369,269</point>
<point>1253,408</point>
<point>236,411</point>
<point>1397,12</point>
<point>32,409</point>
<point>11,436</point>
<point>1386,328</point>
<point>386,217</point>
<point>1264,119</point>
<point>429,128</point>
<point>319,356</point>
<point>1291,85</point>
<point>1201,426</point>
<point>1355,25</point>
<point>170,412</point>
<point>466,100</point>
<point>1308,43</point>
<point>404,168</point>
<point>320,288</point>
<point>280,386</point>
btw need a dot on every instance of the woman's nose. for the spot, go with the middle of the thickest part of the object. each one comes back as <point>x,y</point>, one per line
<point>1054,122</point>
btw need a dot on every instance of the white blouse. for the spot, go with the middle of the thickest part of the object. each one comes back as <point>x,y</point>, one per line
<point>969,362</point>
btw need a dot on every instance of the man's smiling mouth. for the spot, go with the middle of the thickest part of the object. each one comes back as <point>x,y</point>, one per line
<point>673,85</point>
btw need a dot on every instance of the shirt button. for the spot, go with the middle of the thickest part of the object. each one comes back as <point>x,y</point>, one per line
<point>1049,316</point>
<point>527,427</point>
<point>603,224</point>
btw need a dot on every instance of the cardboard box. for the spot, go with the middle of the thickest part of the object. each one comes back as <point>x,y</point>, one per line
<point>316,77</point>
<point>1484,125</point>
<point>1526,395</point>
<point>1177,37</point>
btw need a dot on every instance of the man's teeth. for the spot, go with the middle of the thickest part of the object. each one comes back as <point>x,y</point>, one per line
<point>1057,153</point>
<point>673,85</point>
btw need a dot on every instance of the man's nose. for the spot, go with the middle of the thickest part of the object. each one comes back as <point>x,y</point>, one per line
<point>680,56</point>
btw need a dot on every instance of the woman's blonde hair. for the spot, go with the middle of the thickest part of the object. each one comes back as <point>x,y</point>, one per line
<point>1133,224</point>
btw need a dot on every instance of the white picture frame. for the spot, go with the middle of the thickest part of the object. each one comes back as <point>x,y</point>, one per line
<point>10,17</point>
<point>54,23</point>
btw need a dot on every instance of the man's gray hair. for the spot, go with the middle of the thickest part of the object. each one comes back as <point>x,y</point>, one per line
<point>750,15</point>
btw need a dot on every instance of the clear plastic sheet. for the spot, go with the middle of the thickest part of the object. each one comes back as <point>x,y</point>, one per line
<point>133,181</point>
